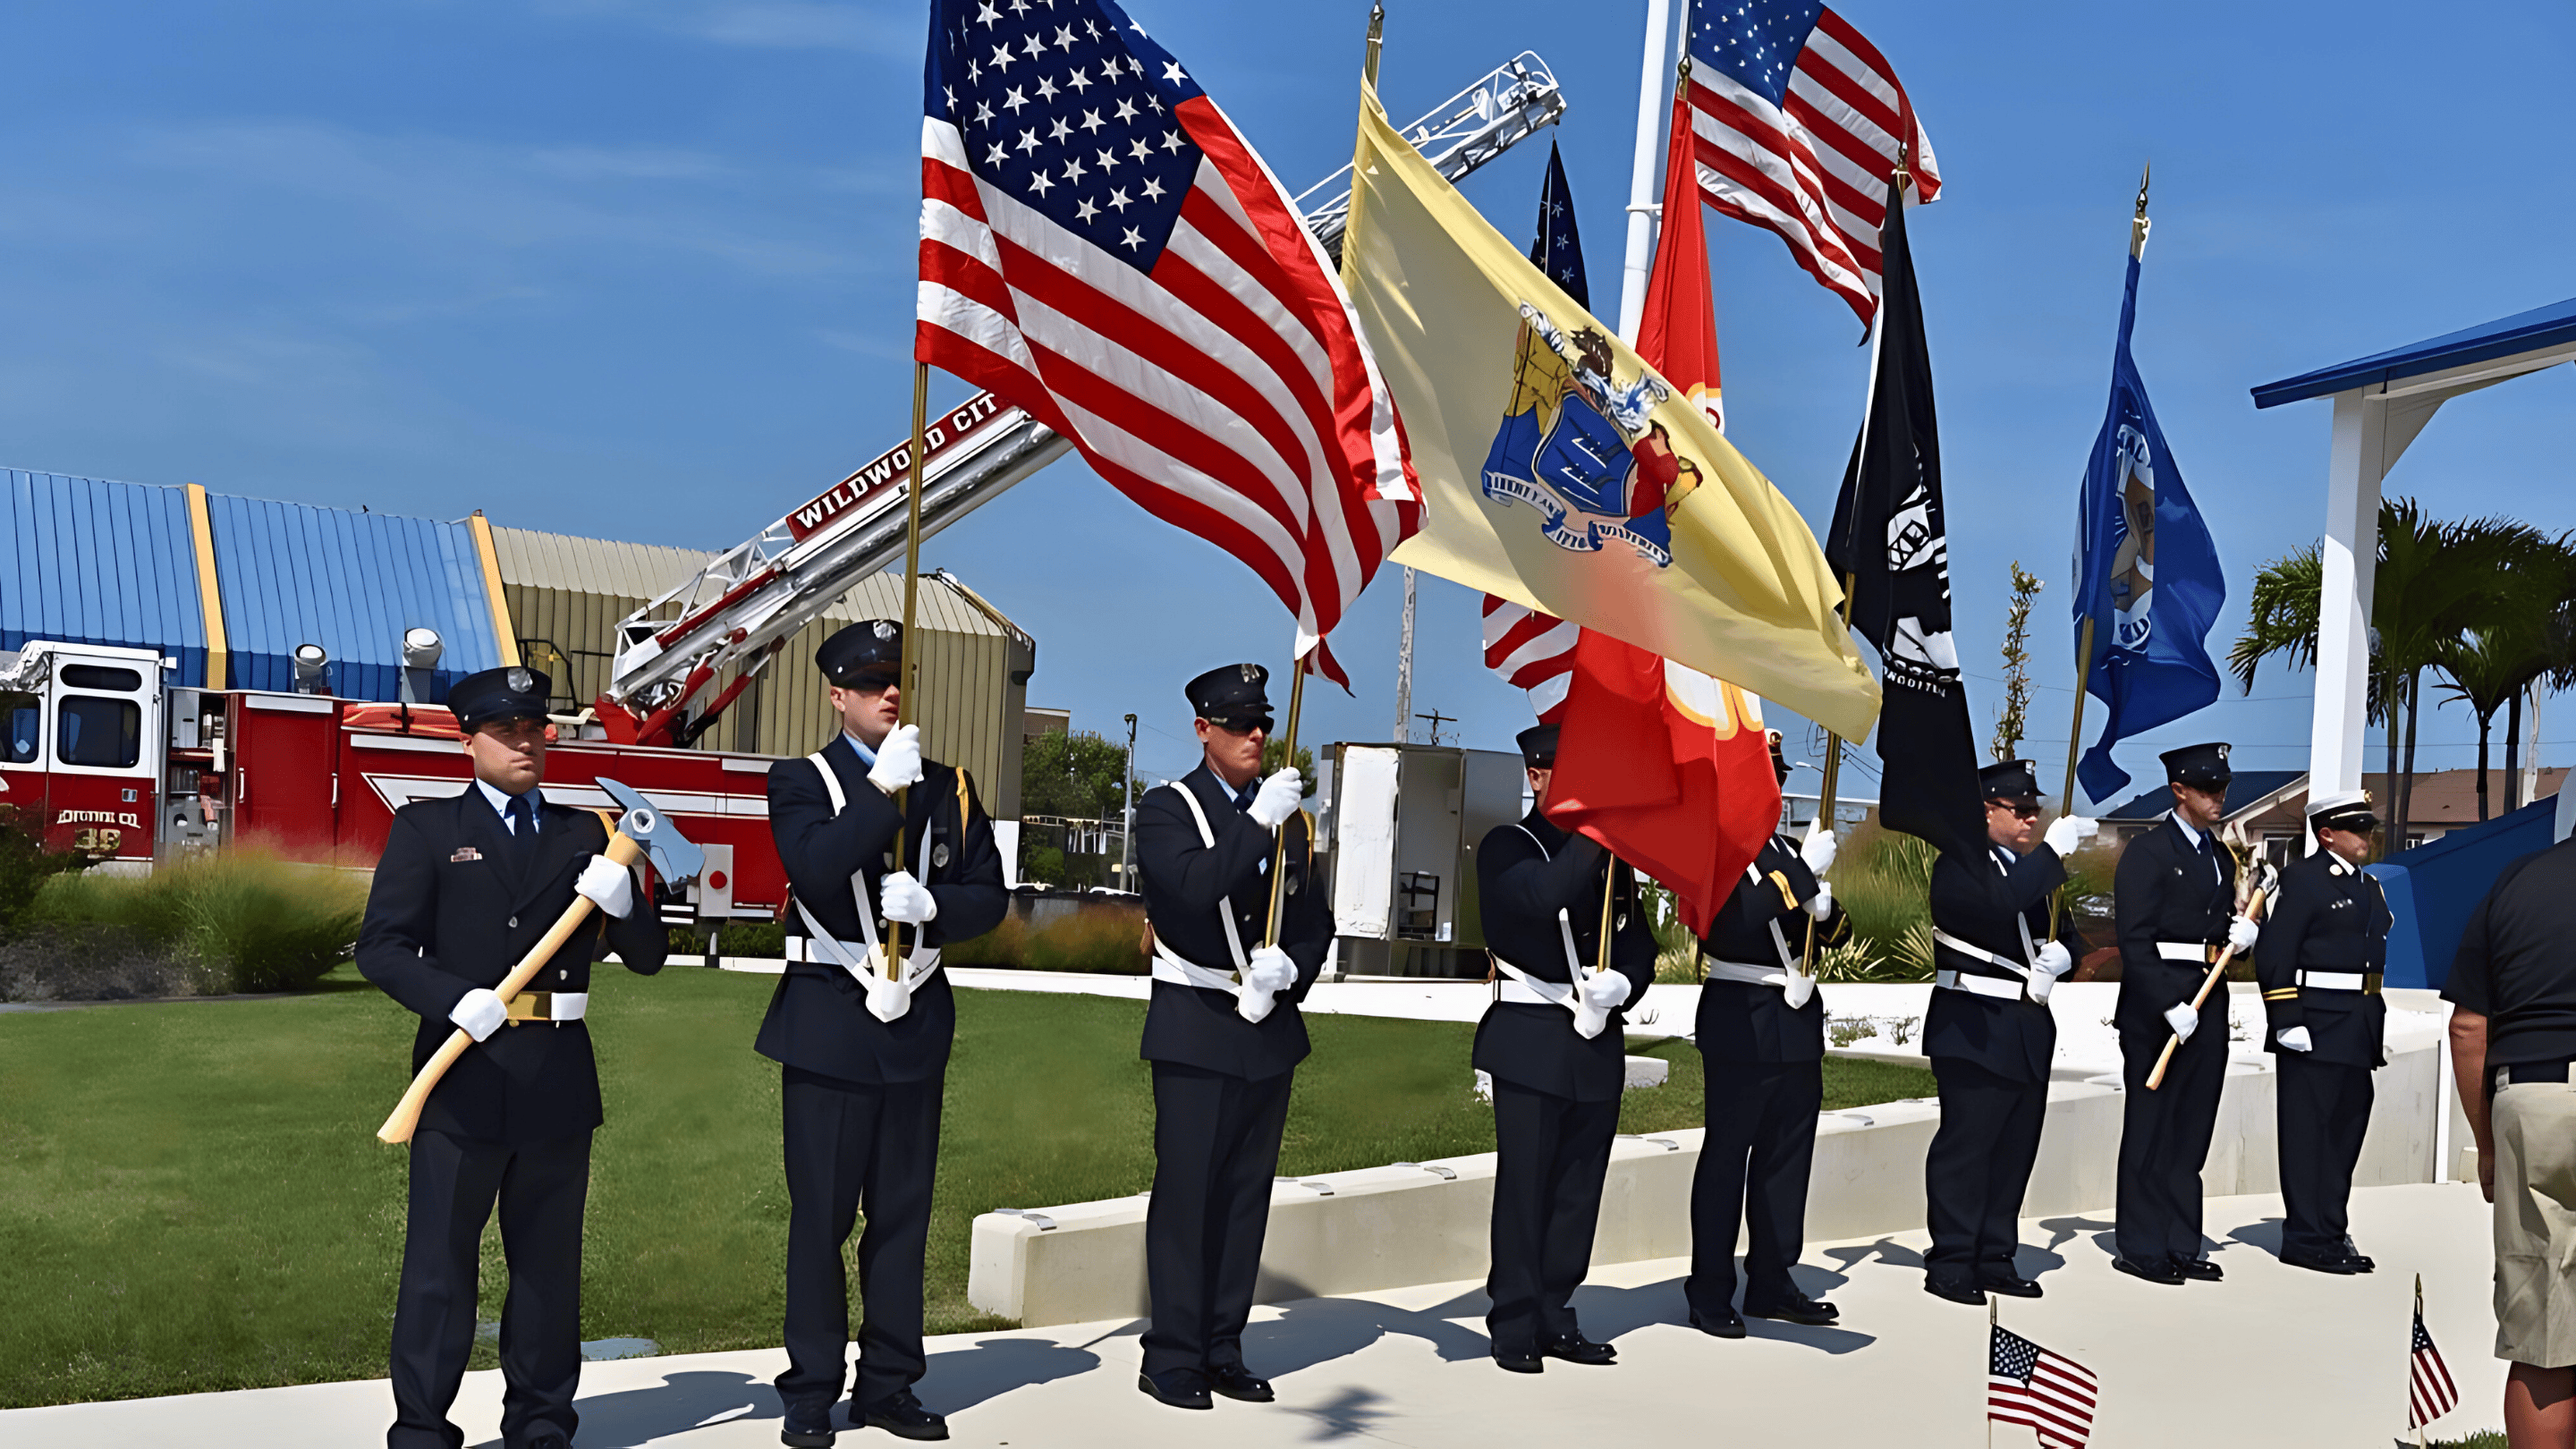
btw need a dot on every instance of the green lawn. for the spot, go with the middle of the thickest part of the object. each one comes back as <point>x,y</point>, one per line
<point>192,1197</point>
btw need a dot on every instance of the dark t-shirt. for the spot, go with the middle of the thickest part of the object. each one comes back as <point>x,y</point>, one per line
<point>2517,960</point>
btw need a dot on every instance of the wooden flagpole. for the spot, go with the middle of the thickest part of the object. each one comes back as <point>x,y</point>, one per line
<point>893,964</point>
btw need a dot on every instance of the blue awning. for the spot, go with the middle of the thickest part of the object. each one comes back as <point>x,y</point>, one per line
<point>2537,330</point>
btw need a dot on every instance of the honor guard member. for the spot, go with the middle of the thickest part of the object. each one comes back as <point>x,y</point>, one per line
<point>2325,944</point>
<point>1222,1031</point>
<point>1990,1035</point>
<point>468,885</point>
<point>1553,1044</point>
<point>1761,1035</point>
<point>2176,912</point>
<point>863,1049</point>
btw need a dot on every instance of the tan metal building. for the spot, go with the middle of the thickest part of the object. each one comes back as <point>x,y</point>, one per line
<point>566,594</point>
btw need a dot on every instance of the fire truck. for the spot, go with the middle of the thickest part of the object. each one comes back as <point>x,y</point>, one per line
<point>125,771</point>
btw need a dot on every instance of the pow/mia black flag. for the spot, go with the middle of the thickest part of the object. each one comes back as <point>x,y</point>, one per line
<point>1890,540</point>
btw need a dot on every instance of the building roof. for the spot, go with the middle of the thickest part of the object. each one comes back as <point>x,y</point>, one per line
<point>93,562</point>
<point>2450,797</point>
<point>2248,787</point>
<point>2537,330</point>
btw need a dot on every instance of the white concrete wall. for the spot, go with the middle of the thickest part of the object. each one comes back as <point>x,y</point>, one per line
<point>1390,1227</point>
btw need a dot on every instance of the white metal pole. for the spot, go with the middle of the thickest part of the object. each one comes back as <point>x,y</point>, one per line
<point>1127,814</point>
<point>1645,179</point>
<point>2350,549</point>
<point>1404,670</point>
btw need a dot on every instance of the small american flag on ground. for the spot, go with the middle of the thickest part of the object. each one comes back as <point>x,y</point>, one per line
<point>2429,1391</point>
<point>2026,1384</point>
<point>1099,246</point>
<point>1797,119</point>
<point>1531,651</point>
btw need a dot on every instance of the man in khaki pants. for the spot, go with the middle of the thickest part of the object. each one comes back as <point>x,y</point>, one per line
<point>2513,1035</point>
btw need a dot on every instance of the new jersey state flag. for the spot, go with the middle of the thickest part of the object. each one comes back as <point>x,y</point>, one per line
<point>1563,474</point>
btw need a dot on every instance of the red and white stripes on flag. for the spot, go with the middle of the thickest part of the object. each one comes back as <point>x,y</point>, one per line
<point>2052,1394</point>
<point>2429,1391</point>
<point>1531,651</point>
<point>1803,147</point>
<point>1099,246</point>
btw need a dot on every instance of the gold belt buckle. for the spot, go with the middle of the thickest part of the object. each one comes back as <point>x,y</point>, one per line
<point>2370,982</point>
<point>532,1006</point>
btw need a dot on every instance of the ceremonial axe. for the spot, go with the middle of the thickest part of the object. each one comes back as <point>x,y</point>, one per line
<point>641,832</point>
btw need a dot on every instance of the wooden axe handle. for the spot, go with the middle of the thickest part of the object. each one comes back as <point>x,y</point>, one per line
<point>406,1115</point>
<point>2164,1059</point>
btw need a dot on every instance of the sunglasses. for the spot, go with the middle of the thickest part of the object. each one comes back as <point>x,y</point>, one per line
<point>2019,812</point>
<point>1240,726</point>
<point>2356,824</point>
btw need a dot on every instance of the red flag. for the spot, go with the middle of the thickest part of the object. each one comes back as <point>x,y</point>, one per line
<point>1677,334</point>
<point>1667,768</point>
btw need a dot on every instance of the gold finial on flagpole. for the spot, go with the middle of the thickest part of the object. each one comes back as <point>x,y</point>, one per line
<point>1376,38</point>
<point>2138,224</point>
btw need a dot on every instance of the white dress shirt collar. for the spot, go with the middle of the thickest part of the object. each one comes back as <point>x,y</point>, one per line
<point>500,801</point>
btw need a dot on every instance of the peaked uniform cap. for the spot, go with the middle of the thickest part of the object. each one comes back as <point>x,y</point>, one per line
<point>2009,780</point>
<point>1230,693</point>
<point>1538,746</point>
<point>869,647</point>
<point>510,692</point>
<point>2203,767</point>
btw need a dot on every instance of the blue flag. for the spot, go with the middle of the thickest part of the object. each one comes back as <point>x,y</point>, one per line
<point>2146,574</point>
<point>1558,248</point>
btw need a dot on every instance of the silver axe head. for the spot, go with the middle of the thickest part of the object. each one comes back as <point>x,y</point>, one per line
<point>675,858</point>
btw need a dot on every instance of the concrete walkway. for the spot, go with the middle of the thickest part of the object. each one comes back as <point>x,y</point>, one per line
<point>2272,1357</point>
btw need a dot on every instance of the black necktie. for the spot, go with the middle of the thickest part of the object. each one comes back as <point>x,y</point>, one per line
<point>523,825</point>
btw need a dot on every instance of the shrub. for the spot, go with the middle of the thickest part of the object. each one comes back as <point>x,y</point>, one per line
<point>737,938</point>
<point>248,921</point>
<point>1103,937</point>
<point>1884,879</point>
<point>25,866</point>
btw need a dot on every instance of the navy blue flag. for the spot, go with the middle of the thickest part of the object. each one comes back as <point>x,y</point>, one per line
<point>1558,248</point>
<point>2146,574</point>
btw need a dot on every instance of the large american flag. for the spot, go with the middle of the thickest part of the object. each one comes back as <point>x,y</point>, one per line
<point>1099,246</point>
<point>2429,1391</point>
<point>2026,1384</point>
<point>1796,119</point>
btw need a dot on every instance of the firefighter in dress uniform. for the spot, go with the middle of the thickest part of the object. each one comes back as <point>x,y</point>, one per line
<point>2176,892</point>
<point>863,1051</point>
<point>1761,1035</point>
<point>1990,1035</point>
<point>2324,947</point>
<point>1553,1044</point>
<point>1222,1031</point>
<point>468,885</point>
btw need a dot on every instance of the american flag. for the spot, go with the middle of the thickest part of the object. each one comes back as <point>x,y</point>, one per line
<point>1796,119</point>
<point>1099,246</point>
<point>2026,1384</point>
<point>2429,1391</point>
<point>1531,651</point>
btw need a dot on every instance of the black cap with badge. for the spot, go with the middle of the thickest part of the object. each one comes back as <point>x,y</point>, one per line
<point>488,695</point>
<point>1235,694</point>
<point>1538,746</point>
<point>2009,780</point>
<point>2202,767</point>
<point>865,655</point>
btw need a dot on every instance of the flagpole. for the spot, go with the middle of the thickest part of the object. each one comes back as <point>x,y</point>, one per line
<point>1644,172</point>
<point>893,964</point>
<point>2419,1318</point>
<point>1994,1320</point>
<point>1288,761</point>
<point>1833,780</point>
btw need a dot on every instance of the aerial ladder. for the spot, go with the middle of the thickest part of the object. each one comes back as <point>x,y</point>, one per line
<point>746,603</point>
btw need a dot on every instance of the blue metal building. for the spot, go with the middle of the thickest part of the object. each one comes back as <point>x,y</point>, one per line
<point>90,562</point>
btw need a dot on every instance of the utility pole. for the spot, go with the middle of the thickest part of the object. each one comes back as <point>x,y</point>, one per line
<point>1404,669</point>
<point>1437,720</point>
<point>1646,174</point>
<point>1127,813</point>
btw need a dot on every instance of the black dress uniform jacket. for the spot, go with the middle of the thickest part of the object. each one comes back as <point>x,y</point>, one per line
<point>2328,916</point>
<point>1988,900</point>
<point>2170,891</point>
<point>818,1018</point>
<point>457,900</point>
<point>1184,879</point>
<point>1743,1022</point>
<point>1525,874</point>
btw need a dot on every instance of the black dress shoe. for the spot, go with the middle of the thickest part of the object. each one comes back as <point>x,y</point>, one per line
<point>2360,1263</point>
<point>807,1428</point>
<point>1237,1382</point>
<point>1956,1291</point>
<point>2013,1287</point>
<point>1519,1361</point>
<point>1180,1388</point>
<point>2334,1263</point>
<point>2159,1271</point>
<point>1575,1348</point>
<point>903,1417</point>
<point>1809,1311</point>
<point>2200,1269</point>
<point>1729,1324</point>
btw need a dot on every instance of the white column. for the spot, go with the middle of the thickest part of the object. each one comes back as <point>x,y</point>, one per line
<point>2350,548</point>
<point>1645,179</point>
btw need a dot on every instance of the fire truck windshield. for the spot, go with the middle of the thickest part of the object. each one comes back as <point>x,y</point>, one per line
<point>99,732</point>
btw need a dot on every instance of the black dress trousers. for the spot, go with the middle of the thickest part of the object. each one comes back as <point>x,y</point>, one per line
<point>852,1145</point>
<point>541,1187</point>
<point>2164,1135</point>
<point>1761,1120</point>
<point>1216,1149</point>
<point>1554,1155</point>
<point>2324,1111</point>
<point>1977,1169</point>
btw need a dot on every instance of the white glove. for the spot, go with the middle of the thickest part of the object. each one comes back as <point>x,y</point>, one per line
<point>1797,989</point>
<point>479,1013</point>
<point>1821,905</point>
<point>907,900</point>
<point>898,759</point>
<point>2039,985</point>
<point>2241,933</point>
<point>1267,973</point>
<point>2069,831</point>
<point>1607,990</point>
<point>2295,1040</point>
<point>1819,849</point>
<point>609,885</point>
<point>2183,1019</point>
<point>888,1000</point>
<point>2055,959</point>
<point>1278,798</point>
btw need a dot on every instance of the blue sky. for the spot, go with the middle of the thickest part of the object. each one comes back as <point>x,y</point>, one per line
<point>644,270</point>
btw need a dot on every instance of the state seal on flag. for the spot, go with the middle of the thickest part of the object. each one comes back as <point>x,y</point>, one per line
<point>1581,447</point>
